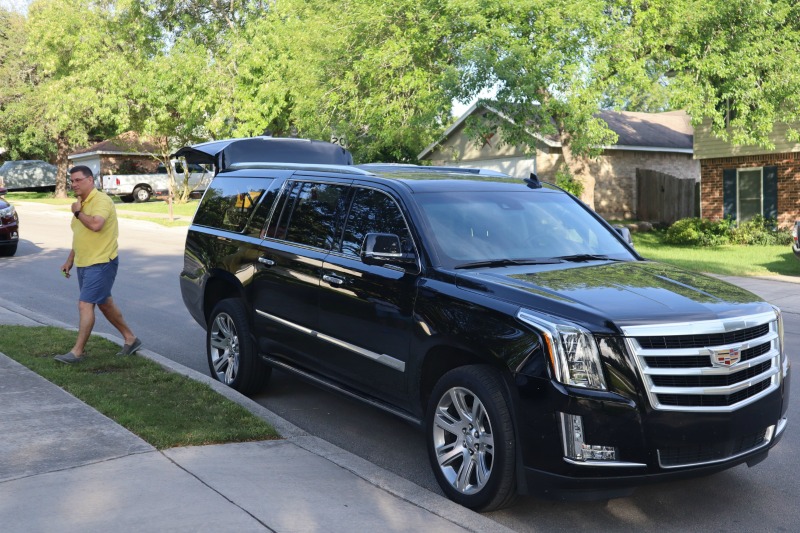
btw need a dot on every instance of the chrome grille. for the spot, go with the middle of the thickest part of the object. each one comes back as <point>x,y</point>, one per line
<point>714,366</point>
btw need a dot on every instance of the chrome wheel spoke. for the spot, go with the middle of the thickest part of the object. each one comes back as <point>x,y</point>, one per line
<point>463,440</point>
<point>224,347</point>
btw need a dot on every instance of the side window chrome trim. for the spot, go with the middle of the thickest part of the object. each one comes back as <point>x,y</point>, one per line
<point>382,358</point>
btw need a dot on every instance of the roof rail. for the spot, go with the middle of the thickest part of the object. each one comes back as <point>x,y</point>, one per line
<point>431,168</point>
<point>345,169</point>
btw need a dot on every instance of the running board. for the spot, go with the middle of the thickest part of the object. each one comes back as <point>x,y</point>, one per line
<point>317,380</point>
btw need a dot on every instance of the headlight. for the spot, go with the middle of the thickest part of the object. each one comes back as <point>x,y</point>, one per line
<point>7,211</point>
<point>572,351</point>
<point>779,325</point>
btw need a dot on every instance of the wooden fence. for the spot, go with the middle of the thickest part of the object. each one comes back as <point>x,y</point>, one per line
<point>664,198</point>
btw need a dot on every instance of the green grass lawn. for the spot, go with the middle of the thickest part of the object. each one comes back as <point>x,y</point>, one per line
<point>125,210</point>
<point>163,408</point>
<point>731,260</point>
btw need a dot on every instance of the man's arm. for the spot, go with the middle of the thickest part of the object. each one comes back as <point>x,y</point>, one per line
<point>93,222</point>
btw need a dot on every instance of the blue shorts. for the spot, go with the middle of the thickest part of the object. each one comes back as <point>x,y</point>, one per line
<point>96,281</point>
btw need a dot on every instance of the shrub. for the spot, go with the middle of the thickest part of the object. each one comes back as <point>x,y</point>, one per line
<point>700,232</point>
<point>567,181</point>
<point>760,231</point>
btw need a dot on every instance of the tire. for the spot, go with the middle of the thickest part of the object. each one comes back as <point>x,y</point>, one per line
<point>232,354</point>
<point>128,198</point>
<point>141,194</point>
<point>8,250</point>
<point>471,442</point>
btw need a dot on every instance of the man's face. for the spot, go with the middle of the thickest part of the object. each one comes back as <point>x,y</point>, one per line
<point>80,184</point>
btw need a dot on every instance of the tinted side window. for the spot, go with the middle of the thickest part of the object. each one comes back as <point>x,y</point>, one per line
<point>229,203</point>
<point>309,214</point>
<point>373,211</point>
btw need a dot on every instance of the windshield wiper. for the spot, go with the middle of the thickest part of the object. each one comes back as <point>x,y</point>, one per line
<point>580,258</point>
<point>508,262</point>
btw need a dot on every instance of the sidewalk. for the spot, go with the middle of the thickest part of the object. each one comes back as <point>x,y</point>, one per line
<point>65,467</point>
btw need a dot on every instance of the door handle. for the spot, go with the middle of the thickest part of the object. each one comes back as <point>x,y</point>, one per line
<point>333,280</point>
<point>266,261</point>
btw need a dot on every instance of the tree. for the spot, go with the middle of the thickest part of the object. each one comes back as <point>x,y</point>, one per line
<point>79,65</point>
<point>552,64</point>
<point>16,73</point>
<point>736,63</point>
<point>366,74</point>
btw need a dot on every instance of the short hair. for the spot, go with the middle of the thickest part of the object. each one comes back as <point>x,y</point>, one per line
<point>83,169</point>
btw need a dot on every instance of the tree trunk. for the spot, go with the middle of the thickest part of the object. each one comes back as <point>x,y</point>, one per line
<point>579,168</point>
<point>62,164</point>
<point>163,144</point>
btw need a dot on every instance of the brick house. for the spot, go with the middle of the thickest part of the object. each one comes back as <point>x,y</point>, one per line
<point>657,142</point>
<point>743,181</point>
<point>123,154</point>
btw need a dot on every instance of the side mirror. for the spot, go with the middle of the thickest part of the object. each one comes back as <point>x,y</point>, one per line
<point>3,191</point>
<point>625,233</point>
<point>382,248</point>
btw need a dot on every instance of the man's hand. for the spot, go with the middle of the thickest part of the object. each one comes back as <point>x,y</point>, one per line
<point>76,206</point>
<point>66,267</point>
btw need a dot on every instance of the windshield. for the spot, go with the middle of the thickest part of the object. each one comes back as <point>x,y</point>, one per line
<point>525,227</point>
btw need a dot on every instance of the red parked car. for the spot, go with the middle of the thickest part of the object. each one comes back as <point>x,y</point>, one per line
<point>9,226</point>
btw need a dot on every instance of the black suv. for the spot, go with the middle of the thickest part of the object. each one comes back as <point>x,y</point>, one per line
<point>537,349</point>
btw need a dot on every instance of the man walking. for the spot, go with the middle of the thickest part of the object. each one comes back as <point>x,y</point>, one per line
<point>94,253</point>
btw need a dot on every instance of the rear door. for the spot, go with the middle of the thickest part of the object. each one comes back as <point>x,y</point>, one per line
<point>301,233</point>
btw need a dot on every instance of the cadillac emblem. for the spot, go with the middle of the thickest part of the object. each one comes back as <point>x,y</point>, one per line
<point>726,357</point>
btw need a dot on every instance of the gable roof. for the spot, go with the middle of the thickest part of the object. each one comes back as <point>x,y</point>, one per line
<point>670,131</point>
<point>128,143</point>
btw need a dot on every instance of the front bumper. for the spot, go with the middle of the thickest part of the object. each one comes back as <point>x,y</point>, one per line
<point>9,234</point>
<point>651,445</point>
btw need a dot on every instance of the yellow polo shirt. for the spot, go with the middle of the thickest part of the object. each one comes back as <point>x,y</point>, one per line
<point>94,247</point>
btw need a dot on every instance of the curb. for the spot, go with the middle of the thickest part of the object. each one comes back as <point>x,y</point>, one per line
<point>372,474</point>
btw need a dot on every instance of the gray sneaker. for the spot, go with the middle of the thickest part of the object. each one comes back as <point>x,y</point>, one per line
<point>129,349</point>
<point>68,358</point>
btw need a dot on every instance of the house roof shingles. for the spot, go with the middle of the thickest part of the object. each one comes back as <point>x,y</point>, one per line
<point>127,143</point>
<point>651,130</point>
<point>670,131</point>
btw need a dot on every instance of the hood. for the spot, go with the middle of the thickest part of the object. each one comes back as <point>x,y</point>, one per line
<point>604,297</point>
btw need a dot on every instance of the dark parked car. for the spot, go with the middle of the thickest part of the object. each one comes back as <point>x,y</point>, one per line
<point>796,239</point>
<point>9,226</point>
<point>538,351</point>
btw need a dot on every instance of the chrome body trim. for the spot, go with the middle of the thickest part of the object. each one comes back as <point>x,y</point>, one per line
<point>621,464</point>
<point>383,359</point>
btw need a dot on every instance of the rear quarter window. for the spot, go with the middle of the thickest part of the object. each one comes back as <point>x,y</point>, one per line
<point>239,205</point>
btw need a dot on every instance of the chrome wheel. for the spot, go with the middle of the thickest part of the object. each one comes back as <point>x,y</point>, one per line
<point>224,348</point>
<point>463,440</point>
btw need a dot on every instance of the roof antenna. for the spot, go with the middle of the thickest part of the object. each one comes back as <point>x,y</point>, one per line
<point>533,182</point>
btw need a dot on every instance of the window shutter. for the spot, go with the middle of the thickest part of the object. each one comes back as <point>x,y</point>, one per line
<point>729,193</point>
<point>771,192</point>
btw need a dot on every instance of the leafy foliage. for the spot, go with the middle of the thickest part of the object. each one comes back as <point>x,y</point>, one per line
<point>567,181</point>
<point>703,232</point>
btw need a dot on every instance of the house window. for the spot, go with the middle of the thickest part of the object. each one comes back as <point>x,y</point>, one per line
<point>747,192</point>
<point>750,194</point>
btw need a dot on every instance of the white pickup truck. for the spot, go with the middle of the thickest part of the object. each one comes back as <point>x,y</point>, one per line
<point>141,187</point>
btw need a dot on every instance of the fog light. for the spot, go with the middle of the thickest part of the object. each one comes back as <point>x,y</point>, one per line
<point>575,448</point>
